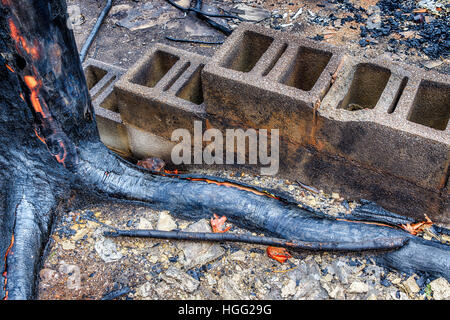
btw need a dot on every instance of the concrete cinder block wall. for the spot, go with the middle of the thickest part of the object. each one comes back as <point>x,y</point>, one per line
<point>120,137</point>
<point>100,78</point>
<point>370,129</point>
<point>163,91</point>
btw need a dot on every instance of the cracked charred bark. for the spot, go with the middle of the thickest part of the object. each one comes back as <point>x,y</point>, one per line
<point>49,146</point>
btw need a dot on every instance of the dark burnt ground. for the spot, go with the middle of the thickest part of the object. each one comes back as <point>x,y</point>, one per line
<point>400,30</point>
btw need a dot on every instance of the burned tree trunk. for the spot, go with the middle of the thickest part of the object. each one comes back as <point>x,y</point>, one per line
<point>49,146</point>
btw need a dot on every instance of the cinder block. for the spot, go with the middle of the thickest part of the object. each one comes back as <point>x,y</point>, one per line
<point>369,128</point>
<point>163,91</point>
<point>388,117</point>
<point>123,139</point>
<point>100,78</point>
<point>261,78</point>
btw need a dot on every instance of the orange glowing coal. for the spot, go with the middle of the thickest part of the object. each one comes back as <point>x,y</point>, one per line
<point>34,87</point>
<point>5,273</point>
<point>232,185</point>
<point>34,82</point>
<point>9,68</point>
<point>59,158</point>
<point>19,39</point>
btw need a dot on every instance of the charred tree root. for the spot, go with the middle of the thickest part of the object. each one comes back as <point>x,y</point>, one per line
<point>195,199</point>
<point>49,145</point>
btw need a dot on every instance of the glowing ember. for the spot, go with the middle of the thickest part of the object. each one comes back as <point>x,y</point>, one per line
<point>50,133</point>
<point>418,227</point>
<point>5,273</point>
<point>10,69</point>
<point>279,254</point>
<point>217,224</point>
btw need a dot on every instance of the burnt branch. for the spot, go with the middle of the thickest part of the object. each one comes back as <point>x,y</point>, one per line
<point>376,244</point>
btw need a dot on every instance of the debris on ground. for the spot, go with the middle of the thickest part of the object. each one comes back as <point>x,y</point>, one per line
<point>162,269</point>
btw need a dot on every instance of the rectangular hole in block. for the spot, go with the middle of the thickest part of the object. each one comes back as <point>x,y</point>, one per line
<point>110,102</point>
<point>306,68</point>
<point>366,88</point>
<point>248,52</point>
<point>155,69</point>
<point>398,95</point>
<point>93,75</point>
<point>192,90</point>
<point>275,59</point>
<point>177,76</point>
<point>431,106</point>
<point>105,86</point>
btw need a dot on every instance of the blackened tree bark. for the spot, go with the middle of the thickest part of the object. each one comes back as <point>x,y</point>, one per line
<point>49,146</point>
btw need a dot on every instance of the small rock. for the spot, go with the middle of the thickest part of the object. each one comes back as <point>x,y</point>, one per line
<point>433,64</point>
<point>358,287</point>
<point>68,245</point>
<point>289,289</point>
<point>199,253</point>
<point>342,271</point>
<point>48,276</point>
<point>441,289</point>
<point>337,293</point>
<point>180,279</point>
<point>163,290</point>
<point>252,14</point>
<point>239,256</point>
<point>144,224</point>
<point>372,296</point>
<point>310,289</point>
<point>165,222</point>
<point>107,250</point>
<point>374,21</point>
<point>80,234</point>
<point>396,280</point>
<point>411,286</point>
<point>210,279</point>
<point>144,290</point>
<point>327,278</point>
<point>228,288</point>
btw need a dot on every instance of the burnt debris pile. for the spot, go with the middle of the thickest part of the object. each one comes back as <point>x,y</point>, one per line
<point>404,24</point>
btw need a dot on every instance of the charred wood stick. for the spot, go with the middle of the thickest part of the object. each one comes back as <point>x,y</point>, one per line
<point>212,23</point>
<point>94,31</point>
<point>116,294</point>
<point>193,41</point>
<point>197,9</point>
<point>371,211</point>
<point>375,244</point>
<point>203,16</point>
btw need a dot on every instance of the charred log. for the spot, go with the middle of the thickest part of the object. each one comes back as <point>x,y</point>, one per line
<point>49,145</point>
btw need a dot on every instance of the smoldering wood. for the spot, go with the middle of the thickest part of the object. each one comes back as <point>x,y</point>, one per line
<point>50,148</point>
